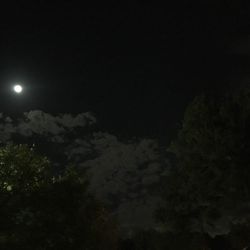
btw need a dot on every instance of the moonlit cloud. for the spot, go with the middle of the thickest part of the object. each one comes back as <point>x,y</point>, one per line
<point>41,123</point>
<point>121,174</point>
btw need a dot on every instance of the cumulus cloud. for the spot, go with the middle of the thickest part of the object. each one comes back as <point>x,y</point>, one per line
<point>53,135</point>
<point>121,174</point>
<point>37,122</point>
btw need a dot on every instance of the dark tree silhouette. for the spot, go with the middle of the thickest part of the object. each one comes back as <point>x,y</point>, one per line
<point>40,211</point>
<point>209,190</point>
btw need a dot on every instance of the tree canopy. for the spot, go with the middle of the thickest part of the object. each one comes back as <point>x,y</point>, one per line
<point>209,190</point>
<point>41,211</point>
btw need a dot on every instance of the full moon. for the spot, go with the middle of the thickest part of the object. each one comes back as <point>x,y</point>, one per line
<point>18,88</point>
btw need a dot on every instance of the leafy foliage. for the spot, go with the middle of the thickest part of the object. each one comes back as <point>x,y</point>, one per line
<point>21,170</point>
<point>41,211</point>
<point>209,190</point>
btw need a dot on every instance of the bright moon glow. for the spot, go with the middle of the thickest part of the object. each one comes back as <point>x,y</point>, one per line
<point>18,88</point>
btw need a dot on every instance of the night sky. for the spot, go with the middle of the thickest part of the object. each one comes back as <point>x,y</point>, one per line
<point>136,66</point>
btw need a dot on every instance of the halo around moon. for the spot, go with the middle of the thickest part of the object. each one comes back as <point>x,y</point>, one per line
<point>18,88</point>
